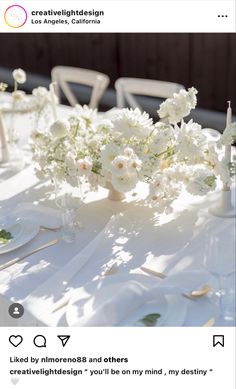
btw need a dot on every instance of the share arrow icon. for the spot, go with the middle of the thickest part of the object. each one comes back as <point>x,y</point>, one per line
<point>64,339</point>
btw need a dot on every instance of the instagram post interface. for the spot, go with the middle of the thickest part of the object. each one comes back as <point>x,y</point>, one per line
<point>117,194</point>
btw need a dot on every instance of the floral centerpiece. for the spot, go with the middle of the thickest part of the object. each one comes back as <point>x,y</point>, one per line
<point>129,148</point>
<point>37,102</point>
<point>40,104</point>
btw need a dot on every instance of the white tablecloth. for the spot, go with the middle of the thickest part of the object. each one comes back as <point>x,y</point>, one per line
<point>169,244</point>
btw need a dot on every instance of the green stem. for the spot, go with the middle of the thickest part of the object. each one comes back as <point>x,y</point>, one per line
<point>164,152</point>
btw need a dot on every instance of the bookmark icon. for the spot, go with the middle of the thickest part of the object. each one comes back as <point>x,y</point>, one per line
<point>64,339</point>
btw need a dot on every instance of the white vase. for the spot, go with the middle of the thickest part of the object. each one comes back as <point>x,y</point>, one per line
<point>114,194</point>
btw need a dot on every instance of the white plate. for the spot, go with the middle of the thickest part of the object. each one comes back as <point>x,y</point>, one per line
<point>160,305</point>
<point>173,309</point>
<point>99,290</point>
<point>23,231</point>
<point>177,310</point>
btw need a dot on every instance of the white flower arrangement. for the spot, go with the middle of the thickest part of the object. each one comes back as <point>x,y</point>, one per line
<point>37,102</point>
<point>19,77</point>
<point>131,148</point>
<point>98,149</point>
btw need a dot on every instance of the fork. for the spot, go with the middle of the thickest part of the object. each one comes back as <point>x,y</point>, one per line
<point>18,259</point>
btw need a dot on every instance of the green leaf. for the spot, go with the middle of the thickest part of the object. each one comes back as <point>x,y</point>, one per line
<point>150,320</point>
<point>5,236</point>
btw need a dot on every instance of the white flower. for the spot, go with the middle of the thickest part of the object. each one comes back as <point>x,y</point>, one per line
<point>3,86</point>
<point>128,152</point>
<point>134,164</point>
<point>163,138</point>
<point>60,128</point>
<point>132,123</point>
<point>95,180</point>
<point>176,172</point>
<point>191,142</point>
<point>94,142</point>
<point>108,153</point>
<point>40,92</point>
<point>104,125</point>
<point>119,165</point>
<point>40,140</point>
<point>163,190</point>
<point>19,76</point>
<point>212,156</point>
<point>88,115</point>
<point>228,136</point>
<point>201,182</point>
<point>124,183</point>
<point>173,110</point>
<point>18,95</point>
<point>42,97</point>
<point>84,166</point>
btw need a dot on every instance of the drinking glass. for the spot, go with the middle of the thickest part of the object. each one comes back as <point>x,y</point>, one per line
<point>69,199</point>
<point>220,262</point>
<point>16,155</point>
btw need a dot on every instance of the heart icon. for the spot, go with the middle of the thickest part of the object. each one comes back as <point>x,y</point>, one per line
<point>15,340</point>
<point>15,380</point>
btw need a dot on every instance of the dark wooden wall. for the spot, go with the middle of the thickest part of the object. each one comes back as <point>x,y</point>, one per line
<point>206,61</point>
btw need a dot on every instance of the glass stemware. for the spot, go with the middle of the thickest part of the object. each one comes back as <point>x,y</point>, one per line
<point>69,199</point>
<point>220,262</point>
<point>16,156</point>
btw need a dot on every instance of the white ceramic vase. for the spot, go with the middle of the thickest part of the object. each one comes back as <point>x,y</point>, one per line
<point>114,194</point>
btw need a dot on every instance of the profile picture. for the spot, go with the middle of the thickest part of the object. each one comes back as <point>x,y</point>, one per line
<point>15,16</point>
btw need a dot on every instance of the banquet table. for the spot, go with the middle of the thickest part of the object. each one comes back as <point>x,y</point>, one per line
<point>174,244</point>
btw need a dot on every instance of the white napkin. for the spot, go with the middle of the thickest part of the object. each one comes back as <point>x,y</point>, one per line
<point>111,301</point>
<point>115,308</point>
<point>56,288</point>
<point>44,216</point>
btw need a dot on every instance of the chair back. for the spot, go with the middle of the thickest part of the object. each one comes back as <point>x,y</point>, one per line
<point>63,75</point>
<point>127,87</point>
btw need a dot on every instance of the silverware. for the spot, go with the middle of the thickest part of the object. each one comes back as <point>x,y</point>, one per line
<point>201,292</point>
<point>18,259</point>
<point>194,295</point>
<point>61,303</point>
<point>153,272</point>
<point>209,323</point>
<point>113,269</point>
<point>54,229</point>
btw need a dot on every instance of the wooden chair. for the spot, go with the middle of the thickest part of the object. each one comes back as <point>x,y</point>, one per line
<point>63,75</point>
<point>127,87</point>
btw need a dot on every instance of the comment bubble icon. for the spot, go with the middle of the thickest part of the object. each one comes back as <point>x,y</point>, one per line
<point>40,341</point>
